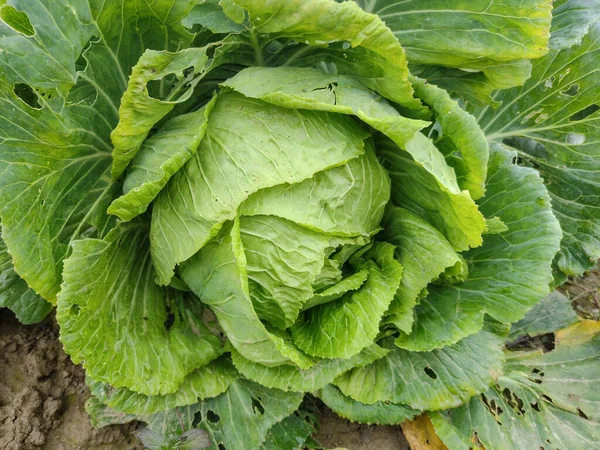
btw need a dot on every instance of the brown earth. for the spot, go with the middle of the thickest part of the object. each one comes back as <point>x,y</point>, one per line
<point>335,432</point>
<point>42,393</point>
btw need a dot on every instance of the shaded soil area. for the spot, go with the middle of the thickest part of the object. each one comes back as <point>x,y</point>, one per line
<point>42,394</point>
<point>337,432</point>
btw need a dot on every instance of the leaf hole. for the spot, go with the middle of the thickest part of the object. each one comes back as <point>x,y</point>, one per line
<point>584,113</point>
<point>213,417</point>
<point>572,91</point>
<point>580,413</point>
<point>81,63</point>
<point>430,373</point>
<point>547,398</point>
<point>535,406</point>
<point>160,89</point>
<point>221,446</point>
<point>257,406</point>
<point>74,310</point>
<point>197,419</point>
<point>513,401</point>
<point>27,94</point>
<point>170,320</point>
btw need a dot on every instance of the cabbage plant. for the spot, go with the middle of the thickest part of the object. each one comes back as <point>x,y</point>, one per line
<point>236,203</point>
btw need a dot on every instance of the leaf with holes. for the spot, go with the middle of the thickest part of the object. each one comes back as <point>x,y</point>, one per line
<point>542,400</point>
<point>428,380</point>
<point>553,122</point>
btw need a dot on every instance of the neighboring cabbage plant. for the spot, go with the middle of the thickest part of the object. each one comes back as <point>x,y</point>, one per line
<point>236,203</point>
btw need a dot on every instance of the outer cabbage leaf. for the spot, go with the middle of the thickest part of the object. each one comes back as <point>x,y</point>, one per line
<point>552,313</point>
<point>542,400</point>
<point>205,382</point>
<point>509,274</point>
<point>344,327</point>
<point>126,330</point>
<point>378,413</point>
<point>553,121</point>
<point>51,187</point>
<point>101,415</point>
<point>571,20</point>
<point>16,295</point>
<point>289,434</point>
<point>476,87</point>
<point>269,145</point>
<point>55,148</point>
<point>476,35</point>
<point>55,44</point>
<point>289,378</point>
<point>217,275</point>
<point>239,418</point>
<point>318,22</point>
<point>140,111</point>
<point>439,379</point>
<point>210,14</point>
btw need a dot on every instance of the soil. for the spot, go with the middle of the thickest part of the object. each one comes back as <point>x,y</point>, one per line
<point>337,432</point>
<point>43,394</point>
<point>584,293</point>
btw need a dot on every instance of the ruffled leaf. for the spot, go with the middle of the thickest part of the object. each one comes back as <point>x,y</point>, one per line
<point>158,160</point>
<point>126,330</point>
<point>378,413</point>
<point>433,380</point>
<point>205,382</point>
<point>289,378</point>
<point>217,274</point>
<point>423,252</point>
<point>342,328</point>
<point>509,274</point>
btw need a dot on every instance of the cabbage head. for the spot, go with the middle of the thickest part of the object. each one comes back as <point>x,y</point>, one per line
<point>234,203</point>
